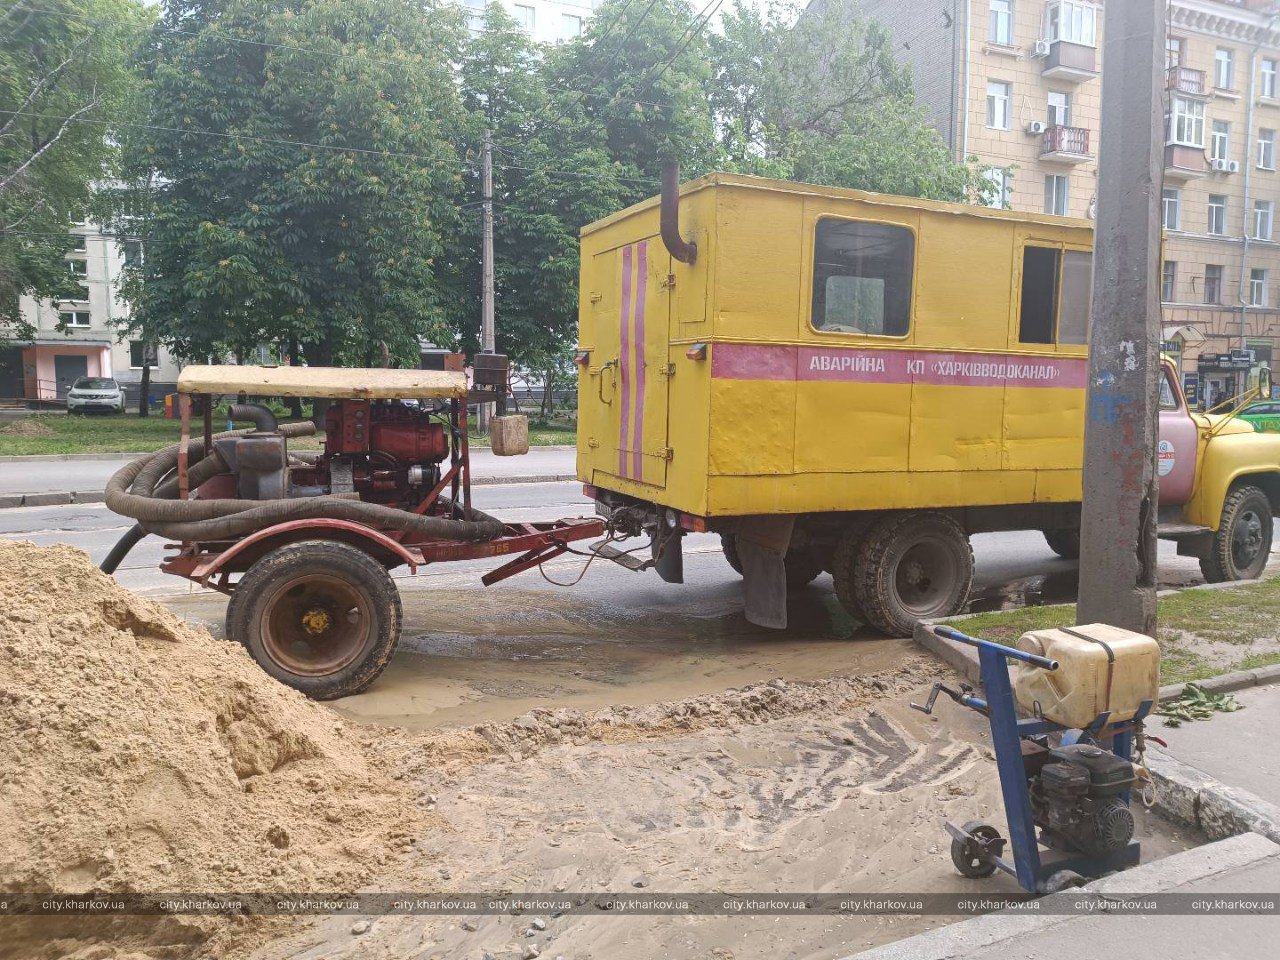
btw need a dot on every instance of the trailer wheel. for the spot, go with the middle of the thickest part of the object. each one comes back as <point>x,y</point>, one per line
<point>1242,543</point>
<point>320,616</point>
<point>1065,543</point>
<point>911,567</point>
<point>803,566</point>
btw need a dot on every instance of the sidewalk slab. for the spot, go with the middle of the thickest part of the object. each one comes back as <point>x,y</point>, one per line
<point>1248,863</point>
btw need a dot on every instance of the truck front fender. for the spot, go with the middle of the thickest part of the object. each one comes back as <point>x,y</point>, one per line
<point>1228,460</point>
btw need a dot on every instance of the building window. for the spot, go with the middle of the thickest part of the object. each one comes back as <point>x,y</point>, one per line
<point>1217,214</point>
<point>74,318</point>
<point>1266,148</point>
<point>1171,204</point>
<point>1257,287</point>
<point>79,268</point>
<point>1001,22</point>
<point>137,354</point>
<point>1168,281</point>
<point>1072,21</point>
<point>1220,140</point>
<point>1268,78</point>
<point>1224,68</point>
<point>475,14</point>
<point>862,278</point>
<point>79,242</point>
<point>131,252</point>
<point>1059,109</point>
<point>524,17</point>
<point>1055,195</point>
<point>1001,194</point>
<point>999,95</point>
<point>1263,213</point>
<point>1185,122</point>
<point>570,26</point>
<point>1213,283</point>
<point>1172,52</point>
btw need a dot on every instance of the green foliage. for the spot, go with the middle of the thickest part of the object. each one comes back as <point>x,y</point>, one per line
<point>820,98</point>
<point>61,75</point>
<point>257,239</point>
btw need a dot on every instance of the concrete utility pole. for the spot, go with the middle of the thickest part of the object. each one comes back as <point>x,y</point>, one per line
<point>486,268</point>
<point>1118,523</point>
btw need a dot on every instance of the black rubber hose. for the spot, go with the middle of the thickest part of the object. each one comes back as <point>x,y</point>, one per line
<point>271,512</point>
<point>262,418</point>
<point>122,548</point>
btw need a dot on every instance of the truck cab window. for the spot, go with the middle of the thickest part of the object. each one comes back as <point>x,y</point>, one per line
<point>1168,398</point>
<point>862,275</point>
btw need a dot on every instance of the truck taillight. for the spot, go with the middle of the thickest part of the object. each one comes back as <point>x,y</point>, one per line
<point>692,523</point>
<point>697,352</point>
<point>588,491</point>
<point>582,357</point>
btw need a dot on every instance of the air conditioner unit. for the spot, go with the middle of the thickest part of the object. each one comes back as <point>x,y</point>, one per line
<point>1041,48</point>
<point>1037,126</point>
<point>1233,166</point>
<point>1218,165</point>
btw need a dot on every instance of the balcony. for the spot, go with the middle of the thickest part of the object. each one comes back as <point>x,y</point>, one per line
<point>1065,145</point>
<point>1184,80</point>
<point>1073,62</point>
<point>1183,162</point>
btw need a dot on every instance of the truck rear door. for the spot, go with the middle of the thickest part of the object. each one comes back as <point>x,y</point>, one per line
<point>631,325</point>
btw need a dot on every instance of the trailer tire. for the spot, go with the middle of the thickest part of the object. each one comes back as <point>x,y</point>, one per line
<point>284,609</point>
<point>912,567</point>
<point>1065,543</point>
<point>803,565</point>
<point>1242,543</point>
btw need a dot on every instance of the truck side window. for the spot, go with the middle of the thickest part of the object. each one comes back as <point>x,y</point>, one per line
<point>1037,316</point>
<point>1057,295</point>
<point>1168,399</point>
<point>862,276</point>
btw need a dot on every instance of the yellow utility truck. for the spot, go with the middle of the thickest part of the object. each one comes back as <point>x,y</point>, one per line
<point>844,381</point>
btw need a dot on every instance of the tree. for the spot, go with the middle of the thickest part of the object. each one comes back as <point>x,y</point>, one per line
<point>64,71</point>
<point>550,179</point>
<point>819,97</point>
<point>296,189</point>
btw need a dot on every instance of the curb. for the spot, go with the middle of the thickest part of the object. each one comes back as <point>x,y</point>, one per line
<point>63,498</point>
<point>47,457</point>
<point>978,935</point>
<point>1192,797</point>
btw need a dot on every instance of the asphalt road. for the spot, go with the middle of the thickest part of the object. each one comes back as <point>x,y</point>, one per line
<point>1012,567</point>
<point>91,475</point>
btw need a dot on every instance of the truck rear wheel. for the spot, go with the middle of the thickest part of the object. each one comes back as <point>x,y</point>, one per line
<point>911,567</point>
<point>803,566</point>
<point>320,616</point>
<point>1242,543</point>
<point>843,561</point>
<point>1065,543</point>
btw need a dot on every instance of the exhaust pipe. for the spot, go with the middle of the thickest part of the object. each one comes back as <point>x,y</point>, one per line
<point>683,250</point>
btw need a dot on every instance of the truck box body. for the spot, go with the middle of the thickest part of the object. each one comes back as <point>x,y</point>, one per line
<point>832,350</point>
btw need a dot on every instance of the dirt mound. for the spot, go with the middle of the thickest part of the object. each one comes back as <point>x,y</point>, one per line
<point>23,427</point>
<point>137,753</point>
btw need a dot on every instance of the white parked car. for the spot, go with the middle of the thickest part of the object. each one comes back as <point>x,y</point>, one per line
<point>95,393</point>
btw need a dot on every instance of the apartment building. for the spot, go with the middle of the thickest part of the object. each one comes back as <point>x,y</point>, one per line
<point>89,343</point>
<point>1017,84</point>
<point>547,21</point>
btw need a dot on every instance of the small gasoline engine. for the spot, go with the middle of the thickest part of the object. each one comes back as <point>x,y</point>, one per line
<point>386,451</point>
<point>1078,796</point>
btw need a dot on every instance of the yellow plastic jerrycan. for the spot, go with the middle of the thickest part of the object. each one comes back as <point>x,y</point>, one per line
<point>1100,669</point>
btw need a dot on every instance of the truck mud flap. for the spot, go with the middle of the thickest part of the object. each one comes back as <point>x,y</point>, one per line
<point>762,544</point>
<point>669,560</point>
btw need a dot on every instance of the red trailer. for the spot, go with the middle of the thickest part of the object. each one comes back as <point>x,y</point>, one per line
<point>303,540</point>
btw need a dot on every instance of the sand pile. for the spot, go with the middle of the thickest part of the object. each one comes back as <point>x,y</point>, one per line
<point>138,753</point>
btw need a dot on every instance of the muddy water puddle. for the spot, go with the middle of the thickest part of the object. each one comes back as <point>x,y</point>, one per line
<point>475,658</point>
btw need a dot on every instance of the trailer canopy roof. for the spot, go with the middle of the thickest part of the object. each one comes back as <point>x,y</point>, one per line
<point>339,383</point>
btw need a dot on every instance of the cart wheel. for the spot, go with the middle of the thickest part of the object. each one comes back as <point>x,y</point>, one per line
<point>1062,880</point>
<point>803,566</point>
<point>970,858</point>
<point>321,616</point>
